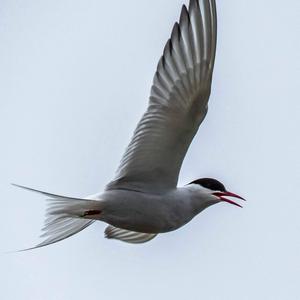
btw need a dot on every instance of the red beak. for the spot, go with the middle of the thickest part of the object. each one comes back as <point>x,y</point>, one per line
<point>221,196</point>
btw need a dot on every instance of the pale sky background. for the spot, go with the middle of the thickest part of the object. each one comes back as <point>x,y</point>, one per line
<point>75,78</point>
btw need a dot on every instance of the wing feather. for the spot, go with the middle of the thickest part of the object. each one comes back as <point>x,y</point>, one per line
<point>177,106</point>
<point>127,236</point>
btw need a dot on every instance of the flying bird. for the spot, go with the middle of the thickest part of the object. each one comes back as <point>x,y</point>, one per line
<point>143,200</point>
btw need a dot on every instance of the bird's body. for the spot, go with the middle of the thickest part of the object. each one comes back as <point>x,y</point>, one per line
<point>150,213</point>
<point>143,200</point>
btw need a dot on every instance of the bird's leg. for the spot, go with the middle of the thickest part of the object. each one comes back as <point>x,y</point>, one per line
<point>91,212</point>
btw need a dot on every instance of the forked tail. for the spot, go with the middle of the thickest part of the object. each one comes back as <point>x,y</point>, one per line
<point>65,216</point>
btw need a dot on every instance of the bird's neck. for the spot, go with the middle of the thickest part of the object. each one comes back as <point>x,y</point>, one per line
<point>198,198</point>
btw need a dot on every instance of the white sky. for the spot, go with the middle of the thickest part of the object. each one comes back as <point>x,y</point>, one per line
<point>75,78</point>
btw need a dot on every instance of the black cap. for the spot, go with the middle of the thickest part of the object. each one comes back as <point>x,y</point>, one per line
<point>211,184</point>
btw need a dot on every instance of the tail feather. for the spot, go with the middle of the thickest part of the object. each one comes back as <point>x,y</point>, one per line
<point>65,216</point>
<point>62,234</point>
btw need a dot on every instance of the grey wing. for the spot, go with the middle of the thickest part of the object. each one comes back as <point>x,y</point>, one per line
<point>177,106</point>
<point>128,236</point>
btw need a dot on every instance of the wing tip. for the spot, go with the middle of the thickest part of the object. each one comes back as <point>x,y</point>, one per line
<point>184,16</point>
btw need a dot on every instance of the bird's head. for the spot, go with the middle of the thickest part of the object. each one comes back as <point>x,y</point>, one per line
<point>214,191</point>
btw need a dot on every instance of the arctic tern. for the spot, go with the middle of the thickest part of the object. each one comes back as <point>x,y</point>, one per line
<point>143,200</point>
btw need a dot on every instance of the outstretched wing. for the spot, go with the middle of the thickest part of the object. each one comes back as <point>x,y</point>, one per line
<point>178,103</point>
